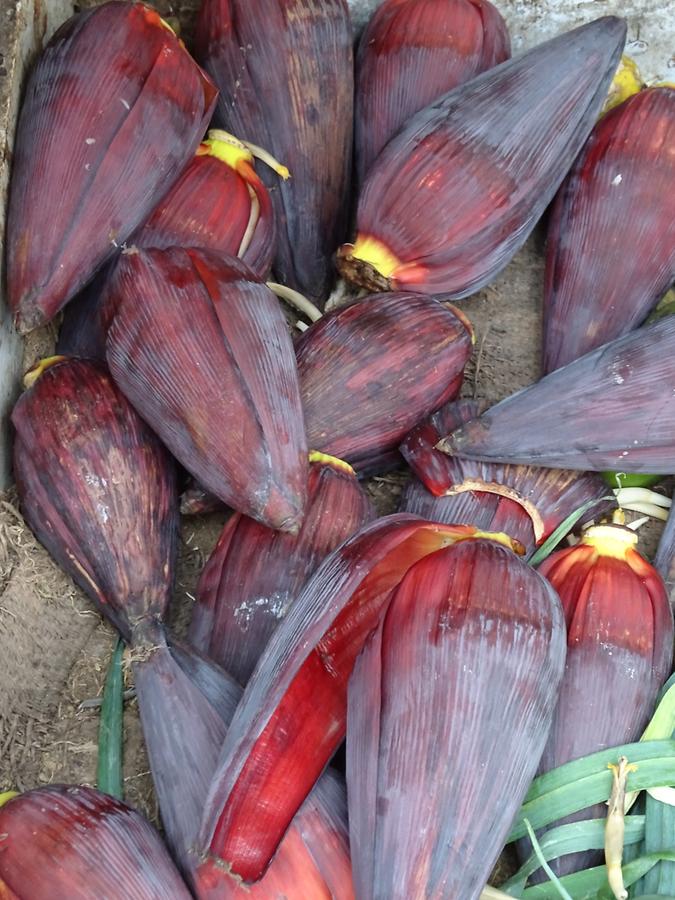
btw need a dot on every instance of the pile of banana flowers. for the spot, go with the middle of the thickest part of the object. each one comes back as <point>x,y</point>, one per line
<point>471,671</point>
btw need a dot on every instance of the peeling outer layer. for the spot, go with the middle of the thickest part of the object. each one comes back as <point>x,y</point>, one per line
<point>98,490</point>
<point>620,648</point>
<point>77,843</point>
<point>612,409</point>
<point>545,496</point>
<point>291,718</point>
<point>285,74</point>
<point>202,350</point>
<point>254,574</point>
<point>466,669</point>
<point>410,54</point>
<point>371,370</point>
<point>483,510</point>
<point>186,705</point>
<point>313,859</point>
<point>456,193</point>
<point>114,110</point>
<point>611,238</point>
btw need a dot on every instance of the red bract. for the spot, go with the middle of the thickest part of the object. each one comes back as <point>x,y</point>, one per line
<point>312,861</point>
<point>97,489</point>
<point>285,74</point>
<point>63,842</point>
<point>411,53</point>
<point>455,194</point>
<point>114,110</point>
<point>449,701</point>
<point>219,203</point>
<point>611,239</point>
<point>619,649</point>
<point>612,409</point>
<point>371,370</point>
<point>201,348</point>
<point>254,574</point>
<point>293,712</point>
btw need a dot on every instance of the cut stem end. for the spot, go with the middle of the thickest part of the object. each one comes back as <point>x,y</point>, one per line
<point>360,272</point>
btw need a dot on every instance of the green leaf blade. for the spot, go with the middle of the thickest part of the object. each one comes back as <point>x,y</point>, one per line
<point>573,837</point>
<point>563,529</point>
<point>583,782</point>
<point>591,884</point>
<point>109,770</point>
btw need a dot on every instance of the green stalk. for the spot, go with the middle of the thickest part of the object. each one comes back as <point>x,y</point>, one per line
<point>109,771</point>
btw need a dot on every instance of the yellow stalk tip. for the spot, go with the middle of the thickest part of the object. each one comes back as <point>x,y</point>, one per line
<point>500,537</point>
<point>39,368</point>
<point>626,82</point>
<point>168,27</point>
<point>610,540</point>
<point>7,795</point>
<point>468,533</point>
<point>262,154</point>
<point>315,456</point>
<point>231,150</point>
<point>376,254</point>
<point>225,147</point>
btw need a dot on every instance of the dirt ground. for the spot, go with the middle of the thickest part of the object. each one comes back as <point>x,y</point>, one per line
<point>55,649</point>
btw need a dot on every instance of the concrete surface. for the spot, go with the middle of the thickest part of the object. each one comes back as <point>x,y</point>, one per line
<point>651,26</point>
